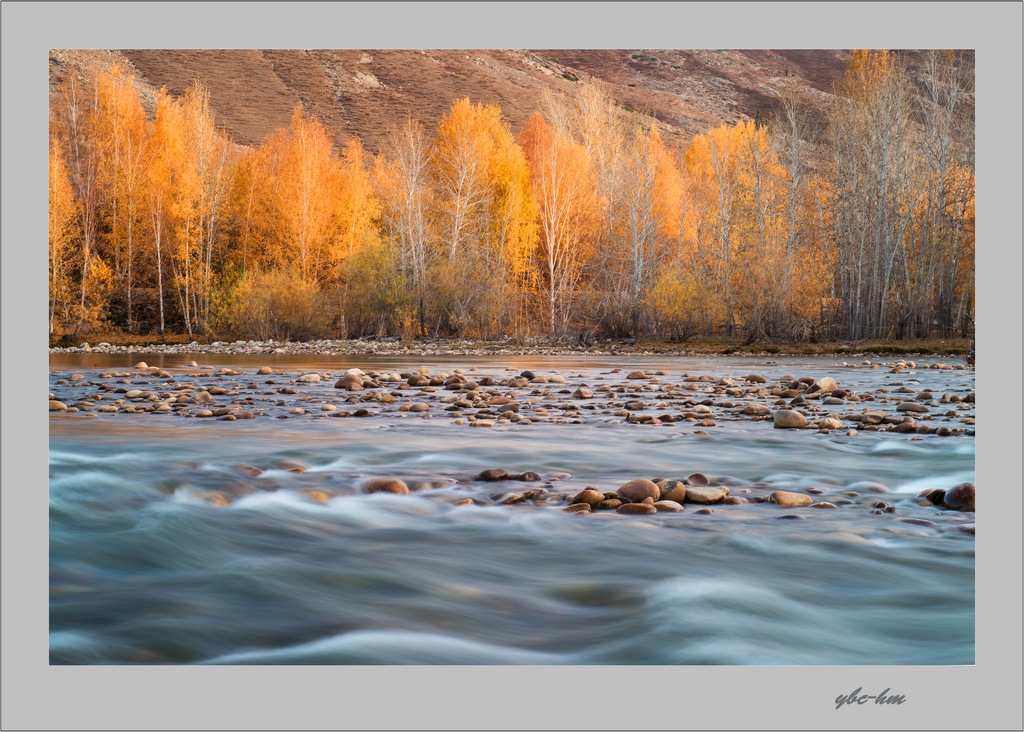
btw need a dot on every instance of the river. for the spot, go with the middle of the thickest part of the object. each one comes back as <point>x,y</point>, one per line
<point>296,565</point>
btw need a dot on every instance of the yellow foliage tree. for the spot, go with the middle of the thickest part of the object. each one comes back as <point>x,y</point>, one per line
<point>63,215</point>
<point>121,137</point>
<point>563,187</point>
<point>484,214</point>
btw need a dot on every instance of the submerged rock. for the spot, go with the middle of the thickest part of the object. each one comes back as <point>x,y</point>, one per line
<point>385,485</point>
<point>492,474</point>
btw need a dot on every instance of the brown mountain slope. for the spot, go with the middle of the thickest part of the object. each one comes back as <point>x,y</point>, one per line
<point>363,93</point>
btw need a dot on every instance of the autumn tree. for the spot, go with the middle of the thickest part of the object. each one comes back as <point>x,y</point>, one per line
<point>482,206</point>
<point>121,141</point>
<point>713,174</point>
<point>942,248</point>
<point>563,187</point>
<point>367,270</point>
<point>203,177</point>
<point>63,216</point>
<point>75,125</point>
<point>873,179</point>
<point>403,183</point>
<point>164,148</point>
<point>303,186</point>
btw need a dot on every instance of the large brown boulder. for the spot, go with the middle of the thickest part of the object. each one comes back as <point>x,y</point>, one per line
<point>635,491</point>
<point>789,419</point>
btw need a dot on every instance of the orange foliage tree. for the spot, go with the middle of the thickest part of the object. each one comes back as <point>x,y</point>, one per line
<point>63,213</point>
<point>586,220</point>
<point>563,187</point>
<point>483,213</point>
<point>121,138</point>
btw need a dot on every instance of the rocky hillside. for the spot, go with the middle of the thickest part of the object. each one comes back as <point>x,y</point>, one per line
<point>363,92</point>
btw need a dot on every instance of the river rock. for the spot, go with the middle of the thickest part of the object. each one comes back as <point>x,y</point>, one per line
<point>142,365</point>
<point>590,497</point>
<point>756,410</point>
<point>265,371</point>
<point>919,522</point>
<point>509,499</point>
<point>352,382</point>
<point>911,407</point>
<point>636,375</point>
<point>640,508</point>
<point>830,423</point>
<point>823,504</point>
<point>673,490</point>
<point>698,479</point>
<point>960,497</point>
<point>56,406</point>
<point>309,379</point>
<point>583,393</point>
<point>789,419</point>
<point>316,495</point>
<point>574,508</point>
<point>705,493</point>
<point>789,499</point>
<point>871,486</point>
<point>755,378</point>
<point>825,384</point>
<point>214,498</point>
<point>492,474</point>
<point>417,380</point>
<point>667,506</point>
<point>385,485</point>
<point>292,466</point>
<point>608,504</point>
<point>635,491</point>
<point>933,496</point>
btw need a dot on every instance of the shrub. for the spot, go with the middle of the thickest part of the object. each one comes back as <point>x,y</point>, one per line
<point>276,304</point>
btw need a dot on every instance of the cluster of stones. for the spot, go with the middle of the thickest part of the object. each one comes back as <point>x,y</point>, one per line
<point>486,401</point>
<point>697,493</point>
<point>431,347</point>
<point>642,496</point>
<point>958,498</point>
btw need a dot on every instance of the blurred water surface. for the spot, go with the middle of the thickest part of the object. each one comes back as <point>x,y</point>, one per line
<point>143,570</point>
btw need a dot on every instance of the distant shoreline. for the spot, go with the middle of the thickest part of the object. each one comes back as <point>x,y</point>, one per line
<point>953,348</point>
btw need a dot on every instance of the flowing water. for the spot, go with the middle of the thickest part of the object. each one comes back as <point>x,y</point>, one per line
<point>145,569</point>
